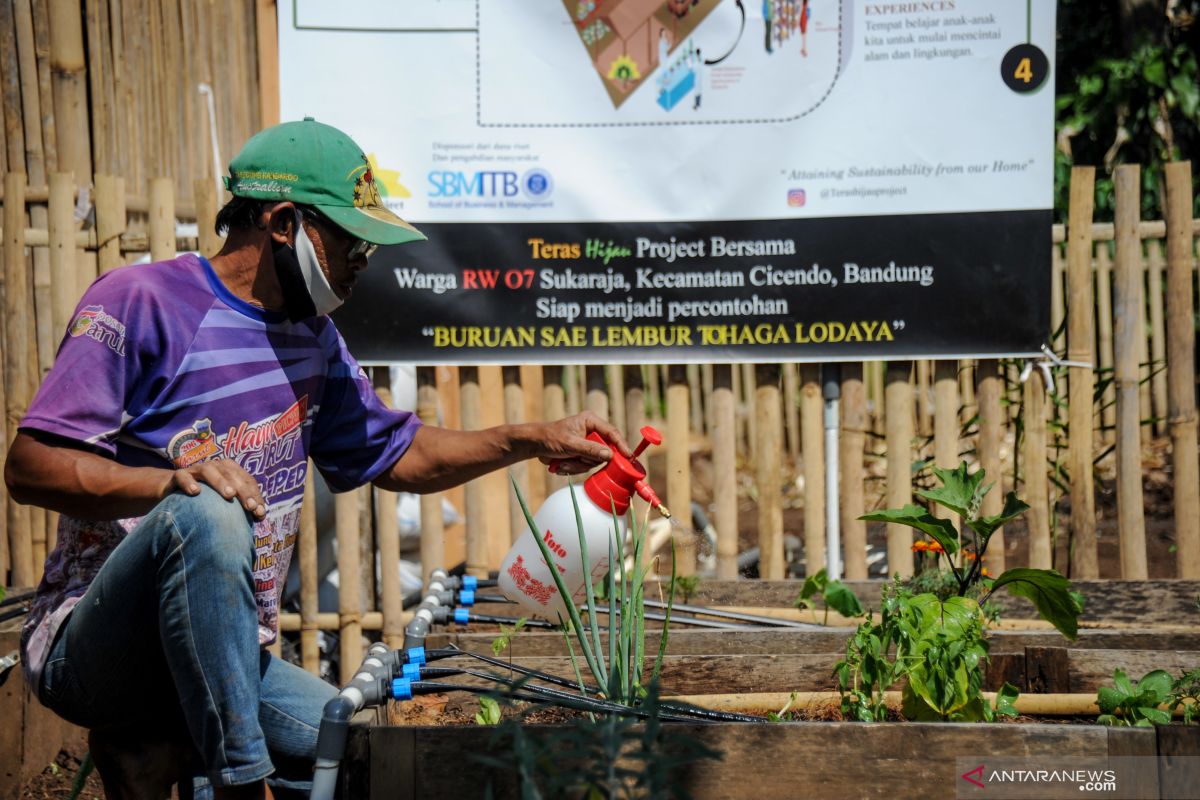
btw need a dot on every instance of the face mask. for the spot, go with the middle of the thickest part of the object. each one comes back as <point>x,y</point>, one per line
<point>306,290</point>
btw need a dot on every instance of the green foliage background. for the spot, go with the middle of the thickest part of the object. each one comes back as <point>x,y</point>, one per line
<point>1127,92</point>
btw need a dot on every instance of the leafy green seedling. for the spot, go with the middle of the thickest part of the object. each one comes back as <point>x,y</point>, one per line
<point>777,716</point>
<point>489,711</point>
<point>507,632</point>
<point>836,595</point>
<point>1137,705</point>
<point>1185,694</point>
<point>686,585</point>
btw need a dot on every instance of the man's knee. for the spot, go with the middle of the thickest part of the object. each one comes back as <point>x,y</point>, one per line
<point>207,521</point>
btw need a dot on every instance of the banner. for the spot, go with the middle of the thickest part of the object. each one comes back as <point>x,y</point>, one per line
<point>607,181</point>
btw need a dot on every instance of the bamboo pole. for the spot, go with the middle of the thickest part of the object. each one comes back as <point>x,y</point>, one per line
<point>739,410</point>
<point>966,387</point>
<point>349,583</point>
<point>433,543</point>
<point>679,468</point>
<point>1057,309</point>
<point>1181,372</point>
<point>812,436</point>
<point>70,88</point>
<point>1145,400</point>
<point>877,371</point>
<point>706,386</point>
<point>22,549</point>
<point>635,402</point>
<point>898,396</point>
<point>1104,318</point>
<point>749,387</point>
<point>62,249</point>
<point>205,195</point>
<point>1041,553</point>
<point>476,514</point>
<point>11,89</point>
<point>572,400</point>
<point>162,219</point>
<point>41,342</point>
<point>514,414</point>
<point>696,399</point>
<point>310,652</point>
<point>724,445</point>
<point>268,62</point>
<point>791,409</point>
<point>850,460</point>
<point>1085,561</point>
<point>945,421</point>
<point>1127,312</point>
<point>615,374</point>
<point>554,406</point>
<point>921,390</point>
<point>597,391</point>
<point>328,621</point>
<point>1158,335</point>
<point>768,428</point>
<point>387,536</point>
<point>110,220</point>
<point>991,440</point>
<point>654,392</point>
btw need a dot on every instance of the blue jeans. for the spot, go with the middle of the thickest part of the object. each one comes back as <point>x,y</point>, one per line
<point>166,638</point>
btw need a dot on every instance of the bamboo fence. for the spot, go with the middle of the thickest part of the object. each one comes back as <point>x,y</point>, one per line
<point>86,192</point>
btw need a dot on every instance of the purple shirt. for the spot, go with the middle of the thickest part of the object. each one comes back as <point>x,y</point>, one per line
<point>164,367</point>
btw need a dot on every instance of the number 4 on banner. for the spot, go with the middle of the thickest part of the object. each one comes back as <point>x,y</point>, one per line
<point>1024,68</point>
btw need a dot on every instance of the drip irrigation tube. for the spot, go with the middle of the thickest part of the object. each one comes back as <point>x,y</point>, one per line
<point>699,623</point>
<point>737,615</point>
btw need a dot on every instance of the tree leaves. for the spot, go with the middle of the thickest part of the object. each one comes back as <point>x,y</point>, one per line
<point>916,517</point>
<point>1050,593</point>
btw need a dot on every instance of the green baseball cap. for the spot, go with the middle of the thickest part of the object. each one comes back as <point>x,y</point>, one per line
<point>317,165</point>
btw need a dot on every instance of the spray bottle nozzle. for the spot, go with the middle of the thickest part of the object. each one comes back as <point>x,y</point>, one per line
<point>645,492</point>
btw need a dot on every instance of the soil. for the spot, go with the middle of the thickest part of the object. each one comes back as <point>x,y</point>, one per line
<point>56,781</point>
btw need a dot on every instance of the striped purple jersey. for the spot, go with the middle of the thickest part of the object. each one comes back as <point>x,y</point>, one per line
<point>162,366</point>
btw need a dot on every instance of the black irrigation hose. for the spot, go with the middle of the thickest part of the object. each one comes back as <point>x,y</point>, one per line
<point>692,711</point>
<point>491,598</point>
<point>492,618</point>
<point>16,598</point>
<point>542,694</point>
<point>19,611</point>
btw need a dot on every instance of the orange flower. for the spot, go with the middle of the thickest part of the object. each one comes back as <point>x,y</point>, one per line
<point>936,547</point>
<point>920,546</point>
<point>986,574</point>
<point>967,554</point>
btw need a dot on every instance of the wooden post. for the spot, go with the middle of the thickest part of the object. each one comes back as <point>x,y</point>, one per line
<point>349,584</point>
<point>696,399</point>
<point>1127,313</point>
<point>921,389</point>
<point>574,404</point>
<point>812,436</point>
<point>1145,401</point>
<point>654,393</point>
<point>1041,554</point>
<point>1057,311</point>
<point>966,387</point>
<point>17,324</point>
<point>991,440</point>
<point>162,220</point>
<point>310,651</point>
<point>768,428</point>
<point>1181,372</point>
<point>1085,562</point>
<point>514,414</point>
<point>898,396</point>
<point>679,468</point>
<point>62,249</point>
<point>110,221</point>
<point>433,543</point>
<point>268,61</point>
<point>791,409</point>
<point>476,514</point>
<point>724,444</point>
<point>945,421</point>
<point>749,387</point>
<point>1158,335</point>
<point>387,537</point>
<point>854,432</point>
<point>1104,318</point>
<point>554,406</point>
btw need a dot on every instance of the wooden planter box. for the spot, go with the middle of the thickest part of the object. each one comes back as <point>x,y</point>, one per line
<point>804,759</point>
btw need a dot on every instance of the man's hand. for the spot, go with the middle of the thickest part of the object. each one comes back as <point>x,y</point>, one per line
<point>229,480</point>
<point>564,443</point>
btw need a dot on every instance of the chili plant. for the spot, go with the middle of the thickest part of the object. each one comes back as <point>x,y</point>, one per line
<point>621,673</point>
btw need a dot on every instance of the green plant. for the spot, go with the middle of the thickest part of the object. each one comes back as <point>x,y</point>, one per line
<point>938,645</point>
<point>836,595</point>
<point>507,632</point>
<point>963,493</point>
<point>621,673</point>
<point>686,586</point>
<point>1185,694</point>
<point>1126,703</point>
<point>489,711</point>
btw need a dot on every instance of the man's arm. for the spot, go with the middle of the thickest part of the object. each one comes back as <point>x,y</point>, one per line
<point>439,458</point>
<point>85,485</point>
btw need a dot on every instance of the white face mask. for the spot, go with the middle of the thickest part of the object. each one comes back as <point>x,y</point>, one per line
<point>323,297</point>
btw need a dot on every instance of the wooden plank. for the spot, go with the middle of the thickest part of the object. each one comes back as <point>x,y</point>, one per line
<point>1003,668</point>
<point>1047,670</point>
<point>1178,759</point>
<point>855,760</point>
<point>1138,768</point>
<point>1092,668</point>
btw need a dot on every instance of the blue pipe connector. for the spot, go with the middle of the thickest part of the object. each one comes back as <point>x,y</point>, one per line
<point>402,689</point>
<point>461,616</point>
